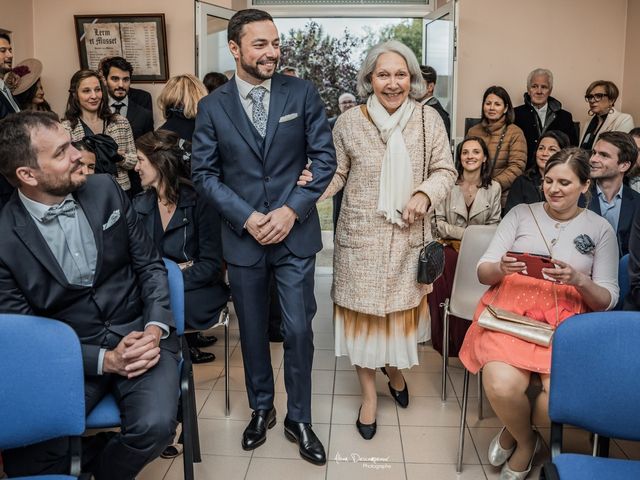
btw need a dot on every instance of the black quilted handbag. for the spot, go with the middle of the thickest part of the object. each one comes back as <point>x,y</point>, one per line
<point>431,258</point>
<point>430,262</point>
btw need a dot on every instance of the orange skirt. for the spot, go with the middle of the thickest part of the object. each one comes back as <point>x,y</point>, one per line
<point>526,296</point>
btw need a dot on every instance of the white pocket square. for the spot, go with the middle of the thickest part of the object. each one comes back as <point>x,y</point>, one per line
<point>113,218</point>
<point>287,118</point>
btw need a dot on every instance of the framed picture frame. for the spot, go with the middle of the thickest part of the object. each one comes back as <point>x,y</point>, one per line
<point>140,38</point>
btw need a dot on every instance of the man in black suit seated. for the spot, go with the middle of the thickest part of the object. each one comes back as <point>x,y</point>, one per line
<point>613,155</point>
<point>117,73</point>
<point>73,250</point>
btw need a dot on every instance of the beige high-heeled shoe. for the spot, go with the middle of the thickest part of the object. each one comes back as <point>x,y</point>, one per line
<point>498,455</point>
<point>507,474</point>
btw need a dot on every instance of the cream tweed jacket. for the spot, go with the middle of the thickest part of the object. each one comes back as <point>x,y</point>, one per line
<point>375,263</point>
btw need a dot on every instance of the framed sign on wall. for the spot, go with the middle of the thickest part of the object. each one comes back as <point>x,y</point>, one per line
<point>141,39</point>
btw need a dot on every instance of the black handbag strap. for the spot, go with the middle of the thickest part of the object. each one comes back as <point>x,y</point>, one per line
<point>499,147</point>
<point>425,174</point>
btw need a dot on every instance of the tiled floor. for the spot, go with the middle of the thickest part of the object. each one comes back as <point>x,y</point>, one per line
<point>416,443</point>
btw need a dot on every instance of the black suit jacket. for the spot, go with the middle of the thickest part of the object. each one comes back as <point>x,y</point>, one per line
<point>140,119</point>
<point>193,234</point>
<point>142,98</point>
<point>5,106</point>
<point>630,204</point>
<point>130,286</point>
<point>527,119</point>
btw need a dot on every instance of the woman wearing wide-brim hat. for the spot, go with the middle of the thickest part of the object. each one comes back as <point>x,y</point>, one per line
<point>26,86</point>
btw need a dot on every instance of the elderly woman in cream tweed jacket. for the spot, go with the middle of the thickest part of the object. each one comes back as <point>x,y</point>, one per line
<point>384,149</point>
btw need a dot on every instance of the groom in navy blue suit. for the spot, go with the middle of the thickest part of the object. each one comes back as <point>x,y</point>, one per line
<point>253,137</point>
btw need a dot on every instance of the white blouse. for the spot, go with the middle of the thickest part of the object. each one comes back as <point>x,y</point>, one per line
<point>518,232</point>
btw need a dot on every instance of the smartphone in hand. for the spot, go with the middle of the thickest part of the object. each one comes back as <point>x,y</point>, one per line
<point>534,263</point>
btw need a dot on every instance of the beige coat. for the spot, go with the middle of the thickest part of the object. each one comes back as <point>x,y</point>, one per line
<point>615,122</point>
<point>375,262</point>
<point>452,215</point>
<point>513,154</point>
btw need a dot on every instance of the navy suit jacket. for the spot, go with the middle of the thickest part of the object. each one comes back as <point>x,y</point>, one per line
<point>630,204</point>
<point>130,286</point>
<point>241,174</point>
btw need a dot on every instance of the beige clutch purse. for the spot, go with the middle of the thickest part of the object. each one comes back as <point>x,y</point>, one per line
<point>519,326</point>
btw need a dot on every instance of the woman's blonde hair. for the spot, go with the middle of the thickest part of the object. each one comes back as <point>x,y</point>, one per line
<point>182,92</point>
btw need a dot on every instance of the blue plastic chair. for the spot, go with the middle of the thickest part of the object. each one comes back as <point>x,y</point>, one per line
<point>594,386</point>
<point>41,385</point>
<point>107,415</point>
<point>623,280</point>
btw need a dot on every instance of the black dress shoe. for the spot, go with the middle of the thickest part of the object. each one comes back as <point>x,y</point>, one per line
<point>366,430</point>
<point>401,397</point>
<point>198,356</point>
<point>309,445</point>
<point>203,341</point>
<point>256,432</point>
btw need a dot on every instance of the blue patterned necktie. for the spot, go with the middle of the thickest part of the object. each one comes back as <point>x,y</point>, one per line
<point>259,114</point>
<point>68,208</point>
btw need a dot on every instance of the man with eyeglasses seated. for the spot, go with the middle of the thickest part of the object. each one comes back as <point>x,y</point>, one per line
<point>613,155</point>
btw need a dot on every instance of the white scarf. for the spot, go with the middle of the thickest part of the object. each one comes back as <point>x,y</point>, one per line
<point>396,179</point>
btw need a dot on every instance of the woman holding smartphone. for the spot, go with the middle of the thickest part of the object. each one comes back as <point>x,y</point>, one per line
<point>584,253</point>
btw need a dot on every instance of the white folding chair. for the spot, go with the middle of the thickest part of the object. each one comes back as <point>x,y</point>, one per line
<point>467,290</point>
<point>465,296</point>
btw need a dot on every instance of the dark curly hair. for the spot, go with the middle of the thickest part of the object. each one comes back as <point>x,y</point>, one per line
<point>166,151</point>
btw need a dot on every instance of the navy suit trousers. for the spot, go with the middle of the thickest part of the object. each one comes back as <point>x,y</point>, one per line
<point>294,277</point>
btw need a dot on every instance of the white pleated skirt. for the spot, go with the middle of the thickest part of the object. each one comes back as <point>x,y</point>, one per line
<point>373,342</point>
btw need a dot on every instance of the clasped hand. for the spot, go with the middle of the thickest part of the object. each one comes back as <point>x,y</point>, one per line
<point>136,353</point>
<point>273,227</point>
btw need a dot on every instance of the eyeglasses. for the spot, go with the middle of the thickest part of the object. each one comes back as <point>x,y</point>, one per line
<point>347,102</point>
<point>596,97</point>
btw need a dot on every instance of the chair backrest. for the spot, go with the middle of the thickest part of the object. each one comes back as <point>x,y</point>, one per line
<point>176,293</point>
<point>594,374</point>
<point>41,381</point>
<point>470,122</point>
<point>623,280</point>
<point>467,290</point>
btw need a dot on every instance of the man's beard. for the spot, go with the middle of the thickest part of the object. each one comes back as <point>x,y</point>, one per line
<point>255,72</point>
<point>4,69</point>
<point>54,185</point>
<point>119,94</point>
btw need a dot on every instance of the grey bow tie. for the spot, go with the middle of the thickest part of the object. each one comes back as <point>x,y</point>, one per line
<point>68,208</point>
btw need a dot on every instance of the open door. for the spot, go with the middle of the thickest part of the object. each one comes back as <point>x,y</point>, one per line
<point>440,52</point>
<point>212,52</point>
